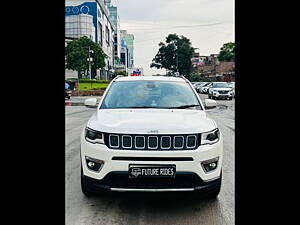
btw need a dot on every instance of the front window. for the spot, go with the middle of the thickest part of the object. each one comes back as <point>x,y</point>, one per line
<point>150,94</point>
<point>220,85</point>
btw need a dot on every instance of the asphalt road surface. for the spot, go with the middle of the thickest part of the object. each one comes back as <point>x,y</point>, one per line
<point>146,208</point>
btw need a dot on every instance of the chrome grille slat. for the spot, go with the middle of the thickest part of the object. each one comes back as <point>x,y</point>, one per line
<point>161,142</point>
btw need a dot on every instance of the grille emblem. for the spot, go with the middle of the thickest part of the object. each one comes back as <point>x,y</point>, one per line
<point>153,131</point>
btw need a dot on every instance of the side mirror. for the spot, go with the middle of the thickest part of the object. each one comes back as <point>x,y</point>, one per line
<point>91,102</point>
<point>209,103</point>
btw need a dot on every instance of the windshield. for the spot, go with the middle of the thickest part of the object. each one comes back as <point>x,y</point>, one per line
<point>220,85</point>
<point>150,94</point>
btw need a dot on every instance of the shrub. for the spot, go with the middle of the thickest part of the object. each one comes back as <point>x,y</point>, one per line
<point>85,80</point>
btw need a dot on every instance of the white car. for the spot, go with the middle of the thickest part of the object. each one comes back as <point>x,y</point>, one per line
<point>151,134</point>
<point>232,85</point>
<point>220,90</point>
<point>204,89</point>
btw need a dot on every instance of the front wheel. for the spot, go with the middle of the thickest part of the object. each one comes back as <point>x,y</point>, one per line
<point>214,193</point>
<point>84,186</point>
<point>211,194</point>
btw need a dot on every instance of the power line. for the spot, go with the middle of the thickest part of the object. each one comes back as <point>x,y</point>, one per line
<point>172,27</point>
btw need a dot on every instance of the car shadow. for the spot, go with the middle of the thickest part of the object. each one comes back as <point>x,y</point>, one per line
<point>161,204</point>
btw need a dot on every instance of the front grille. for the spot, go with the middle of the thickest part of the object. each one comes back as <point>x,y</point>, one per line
<point>223,92</point>
<point>152,142</point>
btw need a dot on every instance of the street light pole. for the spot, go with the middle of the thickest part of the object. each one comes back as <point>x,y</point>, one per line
<point>90,72</point>
<point>177,62</point>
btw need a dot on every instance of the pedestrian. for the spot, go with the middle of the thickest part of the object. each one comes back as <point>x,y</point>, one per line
<point>67,86</point>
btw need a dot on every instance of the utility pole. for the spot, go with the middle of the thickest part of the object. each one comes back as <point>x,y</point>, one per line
<point>90,63</point>
<point>90,59</point>
<point>177,62</point>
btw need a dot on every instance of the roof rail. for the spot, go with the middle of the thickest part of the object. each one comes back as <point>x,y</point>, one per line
<point>118,76</point>
<point>183,77</point>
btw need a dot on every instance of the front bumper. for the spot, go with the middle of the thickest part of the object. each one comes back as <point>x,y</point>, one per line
<point>218,95</point>
<point>113,175</point>
<point>119,181</point>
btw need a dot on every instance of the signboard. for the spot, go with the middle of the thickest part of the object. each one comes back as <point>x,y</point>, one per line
<point>135,72</point>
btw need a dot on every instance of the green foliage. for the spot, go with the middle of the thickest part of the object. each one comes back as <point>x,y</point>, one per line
<point>85,80</point>
<point>227,52</point>
<point>195,77</point>
<point>77,53</point>
<point>122,73</point>
<point>174,55</point>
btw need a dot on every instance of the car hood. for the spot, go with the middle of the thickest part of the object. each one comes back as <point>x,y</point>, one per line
<point>145,121</point>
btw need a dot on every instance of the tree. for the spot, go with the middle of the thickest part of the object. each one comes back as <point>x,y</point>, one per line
<point>227,52</point>
<point>77,53</point>
<point>174,55</point>
<point>122,72</point>
<point>195,77</point>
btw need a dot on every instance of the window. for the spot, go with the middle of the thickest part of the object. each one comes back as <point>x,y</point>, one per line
<point>107,36</point>
<point>100,33</point>
<point>152,94</point>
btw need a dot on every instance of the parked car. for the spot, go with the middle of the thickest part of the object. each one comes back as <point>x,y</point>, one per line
<point>198,86</point>
<point>220,90</point>
<point>151,134</point>
<point>195,84</point>
<point>204,89</point>
<point>232,85</point>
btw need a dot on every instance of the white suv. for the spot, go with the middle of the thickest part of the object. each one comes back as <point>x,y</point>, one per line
<point>220,90</point>
<point>151,134</point>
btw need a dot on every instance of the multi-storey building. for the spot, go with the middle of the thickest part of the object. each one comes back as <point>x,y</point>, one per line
<point>129,39</point>
<point>91,18</point>
<point>115,20</point>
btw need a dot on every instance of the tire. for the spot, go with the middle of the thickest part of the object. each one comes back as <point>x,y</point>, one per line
<point>230,98</point>
<point>212,194</point>
<point>69,97</point>
<point>209,96</point>
<point>84,186</point>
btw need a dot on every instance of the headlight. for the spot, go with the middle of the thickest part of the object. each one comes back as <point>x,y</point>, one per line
<point>94,136</point>
<point>210,137</point>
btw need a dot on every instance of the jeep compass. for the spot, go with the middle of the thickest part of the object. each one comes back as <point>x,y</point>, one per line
<point>151,134</point>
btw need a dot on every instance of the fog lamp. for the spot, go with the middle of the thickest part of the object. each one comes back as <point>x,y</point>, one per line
<point>94,164</point>
<point>210,165</point>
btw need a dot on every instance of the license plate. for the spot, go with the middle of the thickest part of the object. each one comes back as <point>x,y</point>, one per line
<point>139,171</point>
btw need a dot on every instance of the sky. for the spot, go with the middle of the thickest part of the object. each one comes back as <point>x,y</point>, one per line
<point>207,23</point>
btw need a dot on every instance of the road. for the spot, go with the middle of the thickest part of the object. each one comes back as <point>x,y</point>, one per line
<point>148,209</point>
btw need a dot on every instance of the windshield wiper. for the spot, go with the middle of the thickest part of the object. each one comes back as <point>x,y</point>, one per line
<point>140,107</point>
<point>183,106</point>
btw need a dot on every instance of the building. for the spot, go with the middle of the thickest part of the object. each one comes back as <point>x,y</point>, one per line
<point>129,39</point>
<point>115,20</point>
<point>91,18</point>
<point>210,66</point>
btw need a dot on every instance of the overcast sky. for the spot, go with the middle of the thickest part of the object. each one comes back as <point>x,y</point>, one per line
<point>207,23</point>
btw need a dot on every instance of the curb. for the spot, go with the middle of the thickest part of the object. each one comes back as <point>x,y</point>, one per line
<point>74,103</point>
